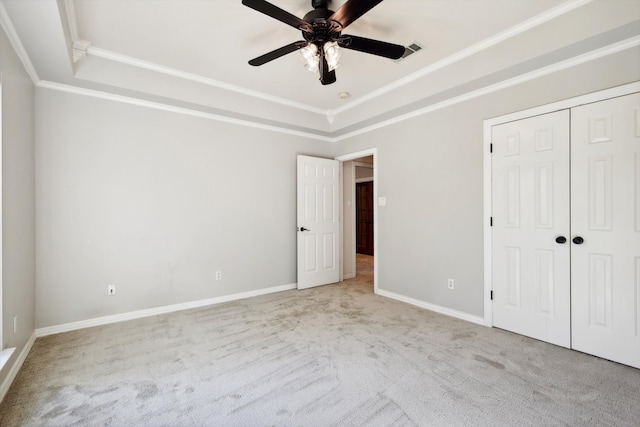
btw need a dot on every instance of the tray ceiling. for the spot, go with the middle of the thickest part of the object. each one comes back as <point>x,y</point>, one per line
<point>192,54</point>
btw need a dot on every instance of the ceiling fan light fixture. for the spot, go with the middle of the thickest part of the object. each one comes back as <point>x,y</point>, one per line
<point>310,57</point>
<point>322,35</point>
<point>332,53</point>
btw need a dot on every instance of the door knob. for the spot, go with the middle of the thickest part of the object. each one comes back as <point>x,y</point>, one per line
<point>303,229</point>
<point>578,240</point>
<point>561,240</point>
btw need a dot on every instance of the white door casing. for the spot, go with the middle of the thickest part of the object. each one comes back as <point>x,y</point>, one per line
<point>530,210</point>
<point>605,205</point>
<point>318,221</point>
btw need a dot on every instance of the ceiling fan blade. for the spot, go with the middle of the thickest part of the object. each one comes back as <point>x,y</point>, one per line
<point>275,54</point>
<point>277,13</point>
<point>374,47</point>
<point>352,10</point>
<point>326,77</point>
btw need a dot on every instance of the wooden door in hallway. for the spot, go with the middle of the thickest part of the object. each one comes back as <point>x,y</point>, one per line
<point>364,218</point>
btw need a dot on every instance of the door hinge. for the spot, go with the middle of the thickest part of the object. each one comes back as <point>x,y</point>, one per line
<point>491,295</point>
<point>491,148</point>
<point>491,221</point>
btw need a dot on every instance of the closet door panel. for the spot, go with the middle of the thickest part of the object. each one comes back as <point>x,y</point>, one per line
<point>605,213</point>
<point>530,191</point>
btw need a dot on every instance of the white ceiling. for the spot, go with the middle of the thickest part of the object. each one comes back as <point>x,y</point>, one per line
<point>193,54</point>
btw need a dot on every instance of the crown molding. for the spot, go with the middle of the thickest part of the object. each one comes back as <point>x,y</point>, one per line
<point>563,65</point>
<point>84,47</point>
<point>559,66</point>
<point>540,19</point>
<point>80,48</point>
<point>71,20</point>
<point>171,108</point>
<point>135,62</point>
<point>330,114</point>
<point>9,29</point>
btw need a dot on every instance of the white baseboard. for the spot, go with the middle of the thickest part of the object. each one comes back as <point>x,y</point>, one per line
<point>4,388</point>
<point>432,307</point>
<point>98,321</point>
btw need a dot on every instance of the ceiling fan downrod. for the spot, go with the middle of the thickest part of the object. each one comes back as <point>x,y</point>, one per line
<point>320,4</point>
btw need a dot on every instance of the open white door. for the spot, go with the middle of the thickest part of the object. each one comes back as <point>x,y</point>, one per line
<point>318,221</point>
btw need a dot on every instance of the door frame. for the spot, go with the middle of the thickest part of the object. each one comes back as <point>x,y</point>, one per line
<point>376,259</point>
<point>487,128</point>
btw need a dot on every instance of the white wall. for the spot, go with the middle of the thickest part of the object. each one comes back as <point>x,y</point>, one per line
<point>430,171</point>
<point>156,202</point>
<point>18,197</point>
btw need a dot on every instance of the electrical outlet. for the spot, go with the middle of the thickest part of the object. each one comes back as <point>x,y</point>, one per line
<point>450,284</point>
<point>218,275</point>
<point>111,290</point>
<point>15,323</point>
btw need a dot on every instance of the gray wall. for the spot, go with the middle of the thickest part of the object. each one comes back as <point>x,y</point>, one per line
<point>430,169</point>
<point>348,220</point>
<point>18,228</point>
<point>155,203</point>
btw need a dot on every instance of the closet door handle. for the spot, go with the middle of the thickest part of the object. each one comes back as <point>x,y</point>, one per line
<point>561,239</point>
<point>578,240</point>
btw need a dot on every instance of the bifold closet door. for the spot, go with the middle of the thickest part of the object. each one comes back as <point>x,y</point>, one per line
<point>530,208</point>
<point>605,212</point>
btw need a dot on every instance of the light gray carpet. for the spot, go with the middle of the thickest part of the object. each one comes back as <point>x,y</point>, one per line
<point>334,355</point>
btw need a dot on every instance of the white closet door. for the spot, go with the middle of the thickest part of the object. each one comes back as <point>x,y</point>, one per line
<point>530,191</point>
<point>605,210</point>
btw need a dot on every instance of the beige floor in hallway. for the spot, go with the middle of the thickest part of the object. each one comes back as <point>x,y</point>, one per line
<point>333,355</point>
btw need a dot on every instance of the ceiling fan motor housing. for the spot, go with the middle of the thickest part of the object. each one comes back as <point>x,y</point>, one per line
<point>322,29</point>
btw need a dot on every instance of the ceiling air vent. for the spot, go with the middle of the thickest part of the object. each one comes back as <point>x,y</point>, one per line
<point>410,50</point>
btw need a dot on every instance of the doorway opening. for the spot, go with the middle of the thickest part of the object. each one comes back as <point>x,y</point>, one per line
<point>359,218</point>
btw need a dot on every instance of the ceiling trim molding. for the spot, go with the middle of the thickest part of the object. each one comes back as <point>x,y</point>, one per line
<point>79,49</point>
<point>540,19</point>
<point>9,29</point>
<point>571,62</point>
<point>72,21</point>
<point>577,60</point>
<point>173,109</point>
<point>135,62</point>
<point>330,114</point>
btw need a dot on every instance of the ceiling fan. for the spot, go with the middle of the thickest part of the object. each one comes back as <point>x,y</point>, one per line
<point>322,33</point>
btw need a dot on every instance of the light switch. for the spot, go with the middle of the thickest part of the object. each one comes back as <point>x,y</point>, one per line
<point>382,201</point>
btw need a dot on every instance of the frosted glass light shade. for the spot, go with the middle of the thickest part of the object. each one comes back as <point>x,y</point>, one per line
<point>332,53</point>
<point>311,57</point>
